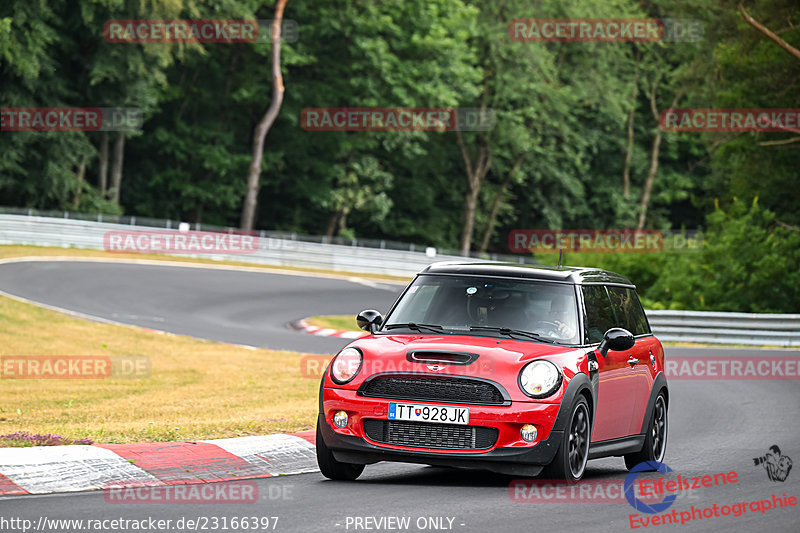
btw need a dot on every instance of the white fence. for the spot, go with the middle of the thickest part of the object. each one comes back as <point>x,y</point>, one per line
<point>688,326</point>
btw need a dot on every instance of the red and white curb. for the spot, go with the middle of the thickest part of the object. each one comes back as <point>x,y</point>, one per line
<point>48,469</point>
<point>303,325</point>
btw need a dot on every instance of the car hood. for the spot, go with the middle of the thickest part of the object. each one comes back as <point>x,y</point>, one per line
<point>486,357</point>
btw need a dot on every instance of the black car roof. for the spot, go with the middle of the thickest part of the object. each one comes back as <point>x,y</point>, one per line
<point>576,275</point>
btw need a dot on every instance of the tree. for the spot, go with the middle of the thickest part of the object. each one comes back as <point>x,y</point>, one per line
<point>400,54</point>
<point>554,103</point>
<point>749,69</point>
<point>260,134</point>
<point>769,33</point>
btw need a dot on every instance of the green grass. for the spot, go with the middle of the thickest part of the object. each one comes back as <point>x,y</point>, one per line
<point>196,390</point>
<point>340,322</point>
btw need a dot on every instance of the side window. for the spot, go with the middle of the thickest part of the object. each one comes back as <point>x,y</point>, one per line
<point>628,310</point>
<point>599,315</point>
<point>642,326</point>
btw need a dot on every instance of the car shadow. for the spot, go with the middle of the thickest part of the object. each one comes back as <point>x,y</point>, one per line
<point>464,477</point>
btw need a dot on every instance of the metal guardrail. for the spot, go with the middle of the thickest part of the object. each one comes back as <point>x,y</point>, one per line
<point>160,223</point>
<point>686,326</point>
<point>70,233</point>
<point>726,328</point>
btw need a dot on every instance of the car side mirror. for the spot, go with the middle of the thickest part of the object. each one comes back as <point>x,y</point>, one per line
<point>617,339</point>
<point>369,320</point>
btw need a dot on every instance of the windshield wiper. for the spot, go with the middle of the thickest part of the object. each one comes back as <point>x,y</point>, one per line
<point>509,331</point>
<point>415,326</point>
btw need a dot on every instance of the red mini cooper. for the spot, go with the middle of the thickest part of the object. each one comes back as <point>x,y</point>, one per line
<point>504,367</point>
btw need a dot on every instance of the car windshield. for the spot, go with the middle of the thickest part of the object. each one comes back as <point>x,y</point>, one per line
<point>488,306</point>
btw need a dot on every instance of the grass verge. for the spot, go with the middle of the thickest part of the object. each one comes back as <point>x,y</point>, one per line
<point>340,322</point>
<point>197,389</point>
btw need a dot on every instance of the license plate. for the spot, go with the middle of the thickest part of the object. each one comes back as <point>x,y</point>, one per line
<point>441,414</point>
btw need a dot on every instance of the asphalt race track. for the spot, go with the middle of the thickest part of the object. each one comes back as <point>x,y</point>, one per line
<point>235,306</point>
<point>715,426</point>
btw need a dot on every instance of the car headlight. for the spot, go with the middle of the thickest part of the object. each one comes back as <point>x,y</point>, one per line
<point>346,365</point>
<point>539,379</point>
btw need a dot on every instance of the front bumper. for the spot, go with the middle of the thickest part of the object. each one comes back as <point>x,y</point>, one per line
<point>509,455</point>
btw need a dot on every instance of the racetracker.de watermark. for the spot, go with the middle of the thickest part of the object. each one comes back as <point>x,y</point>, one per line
<point>649,491</point>
<point>730,120</point>
<point>177,242</point>
<point>70,119</point>
<point>75,366</point>
<point>233,492</point>
<point>605,30</point>
<point>196,31</point>
<point>397,119</point>
<point>313,366</point>
<point>739,368</point>
<point>602,241</point>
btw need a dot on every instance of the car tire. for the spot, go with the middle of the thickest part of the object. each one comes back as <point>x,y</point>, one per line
<point>573,452</point>
<point>655,440</point>
<point>330,467</point>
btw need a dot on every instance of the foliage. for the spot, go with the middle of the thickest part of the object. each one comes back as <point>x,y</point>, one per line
<point>748,263</point>
<point>558,148</point>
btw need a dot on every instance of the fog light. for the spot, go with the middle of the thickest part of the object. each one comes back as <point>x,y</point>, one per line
<point>529,432</point>
<point>340,419</point>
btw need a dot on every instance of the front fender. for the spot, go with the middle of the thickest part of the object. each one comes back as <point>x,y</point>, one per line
<point>579,384</point>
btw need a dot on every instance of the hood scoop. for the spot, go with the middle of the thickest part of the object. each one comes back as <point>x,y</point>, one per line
<point>429,357</point>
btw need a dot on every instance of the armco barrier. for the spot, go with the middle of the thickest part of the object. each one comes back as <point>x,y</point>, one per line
<point>687,326</point>
<point>70,233</point>
<point>726,328</point>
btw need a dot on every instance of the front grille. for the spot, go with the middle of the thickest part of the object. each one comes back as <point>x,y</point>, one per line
<point>429,435</point>
<point>440,389</point>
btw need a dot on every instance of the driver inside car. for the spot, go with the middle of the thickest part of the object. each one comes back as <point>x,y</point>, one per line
<point>551,316</point>
<point>561,316</point>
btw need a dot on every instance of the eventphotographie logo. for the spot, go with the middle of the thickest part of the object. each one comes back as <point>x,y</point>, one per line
<point>777,465</point>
